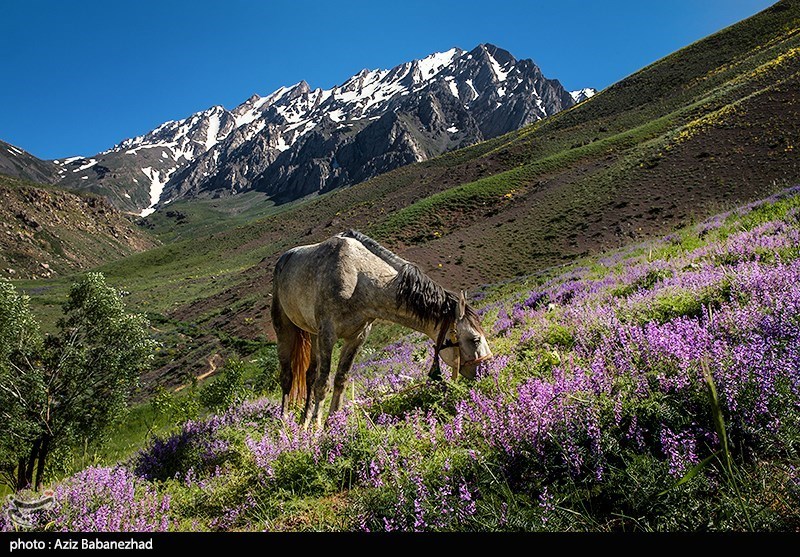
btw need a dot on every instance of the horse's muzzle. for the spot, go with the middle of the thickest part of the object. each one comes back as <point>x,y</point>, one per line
<point>469,369</point>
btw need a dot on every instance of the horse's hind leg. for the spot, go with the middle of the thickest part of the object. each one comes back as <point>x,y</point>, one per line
<point>346,357</point>
<point>311,376</point>
<point>285,358</point>
<point>326,338</point>
<point>285,332</point>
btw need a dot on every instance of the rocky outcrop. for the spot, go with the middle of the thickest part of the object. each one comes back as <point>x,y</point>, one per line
<point>18,163</point>
<point>46,231</point>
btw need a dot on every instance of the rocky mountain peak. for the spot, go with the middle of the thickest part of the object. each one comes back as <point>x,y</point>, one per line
<point>298,140</point>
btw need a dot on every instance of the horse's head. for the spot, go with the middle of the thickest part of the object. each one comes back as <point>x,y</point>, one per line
<point>462,342</point>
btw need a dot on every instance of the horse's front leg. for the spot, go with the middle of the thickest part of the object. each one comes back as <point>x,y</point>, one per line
<point>346,357</point>
<point>326,338</point>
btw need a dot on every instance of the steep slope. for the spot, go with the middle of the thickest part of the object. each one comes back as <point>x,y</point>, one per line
<point>17,163</point>
<point>649,374</point>
<point>48,232</point>
<point>132,174</point>
<point>298,141</point>
<point>708,127</point>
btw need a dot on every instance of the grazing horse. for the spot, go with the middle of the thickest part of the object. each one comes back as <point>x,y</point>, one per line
<point>336,289</point>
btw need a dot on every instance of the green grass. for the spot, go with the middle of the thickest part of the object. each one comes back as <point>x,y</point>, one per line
<point>495,189</point>
<point>730,489</point>
<point>187,219</point>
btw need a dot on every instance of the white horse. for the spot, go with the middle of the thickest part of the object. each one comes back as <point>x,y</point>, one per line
<point>336,289</point>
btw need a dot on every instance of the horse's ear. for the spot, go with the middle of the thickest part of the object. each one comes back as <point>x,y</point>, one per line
<point>462,305</point>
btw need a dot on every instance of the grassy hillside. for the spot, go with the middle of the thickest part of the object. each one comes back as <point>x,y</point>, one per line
<point>651,388</point>
<point>702,130</point>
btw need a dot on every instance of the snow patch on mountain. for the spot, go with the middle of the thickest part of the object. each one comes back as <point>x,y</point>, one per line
<point>157,182</point>
<point>431,65</point>
<point>499,73</point>
<point>250,110</point>
<point>89,164</point>
<point>472,87</point>
<point>68,160</point>
<point>582,94</point>
<point>213,130</point>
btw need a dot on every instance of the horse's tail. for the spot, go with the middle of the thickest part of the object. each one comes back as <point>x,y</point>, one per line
<point>301,359</point>
<point>300,355</point>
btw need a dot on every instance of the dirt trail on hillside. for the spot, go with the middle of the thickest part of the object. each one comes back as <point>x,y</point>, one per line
<point>212,363</point>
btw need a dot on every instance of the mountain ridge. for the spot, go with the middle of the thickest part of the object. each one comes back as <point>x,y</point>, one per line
<point>18,163</point>
<point>299,140</point>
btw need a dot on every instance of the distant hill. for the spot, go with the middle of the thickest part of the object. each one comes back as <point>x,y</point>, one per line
<point>47,232</point>
<point>18,163</point>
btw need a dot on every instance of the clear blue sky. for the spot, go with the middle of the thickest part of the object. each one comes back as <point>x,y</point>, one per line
<point>78,77</point>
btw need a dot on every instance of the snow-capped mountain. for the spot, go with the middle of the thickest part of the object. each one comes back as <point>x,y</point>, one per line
<point>299,140</point>
<point>582,94</point>
<point>132,174</point>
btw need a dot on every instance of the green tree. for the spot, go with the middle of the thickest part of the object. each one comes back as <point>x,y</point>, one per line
<point>228,389</point>
<point>70,385</point>
<point>20,345</point>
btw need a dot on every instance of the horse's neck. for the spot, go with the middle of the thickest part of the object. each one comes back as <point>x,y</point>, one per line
<point>402,316</point>
<point>407,320</point>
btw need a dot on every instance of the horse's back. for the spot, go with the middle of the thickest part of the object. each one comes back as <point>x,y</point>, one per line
<point>336,277</point>
<point>326,278</point>
<point>330,262</point>
<point>309,264</point>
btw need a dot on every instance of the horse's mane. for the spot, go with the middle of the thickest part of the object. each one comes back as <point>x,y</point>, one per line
<point>423,297</point>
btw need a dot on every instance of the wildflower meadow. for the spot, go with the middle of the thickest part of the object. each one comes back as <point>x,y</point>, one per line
<point>652,388</point>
